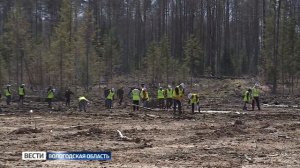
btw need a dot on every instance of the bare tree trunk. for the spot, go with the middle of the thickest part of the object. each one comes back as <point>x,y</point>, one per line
<point>87,65</point>
<point>22,60</point>
<point>76,58</point>
<point>276,44</point>
<point>256,37</point>
<point>292,84</point>
<point>17,73</point>
<point>61,66</point>
<point>282,71</point>
<point>36,20</point>
<point>41,68</point>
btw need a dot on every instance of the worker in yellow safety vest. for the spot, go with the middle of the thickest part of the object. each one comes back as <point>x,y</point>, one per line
<point>194,101</point>
<point>21,94</point>
<point>160,97</point>
<point>247,98</point>
<point>135,94</point>
<point>255,94</point>
<point>50,96</point>
<point>178,94</point>
<point>110,98</point>
<point>144,97</point>
<point>82,103</point>
<point>169,93</point>
<point>7,94</point>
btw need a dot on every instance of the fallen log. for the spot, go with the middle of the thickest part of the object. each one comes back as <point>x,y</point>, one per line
<point>152,116</point>
<point>122,137</point>
<point>146,108</point>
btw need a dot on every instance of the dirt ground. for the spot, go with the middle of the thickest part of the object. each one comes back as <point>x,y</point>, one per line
<point>225,137</point>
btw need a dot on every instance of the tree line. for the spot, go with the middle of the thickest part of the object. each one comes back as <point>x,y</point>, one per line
<point>81,42</point>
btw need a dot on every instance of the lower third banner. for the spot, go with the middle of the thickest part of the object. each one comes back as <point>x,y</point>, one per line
<point>79,156</point>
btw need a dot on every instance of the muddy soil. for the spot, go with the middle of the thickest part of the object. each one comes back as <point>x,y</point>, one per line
<point>234,138</point>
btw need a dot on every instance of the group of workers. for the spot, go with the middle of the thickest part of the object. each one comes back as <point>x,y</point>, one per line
<point>251,96</point>
<point>82,101</point>
<point>165,98</point>
<point>8,94</point>
<point>50,96</point>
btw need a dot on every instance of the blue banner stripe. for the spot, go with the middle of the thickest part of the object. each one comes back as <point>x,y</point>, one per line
<point>79,156</point>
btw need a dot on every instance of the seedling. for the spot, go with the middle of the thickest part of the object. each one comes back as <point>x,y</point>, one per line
<point>31,113</point>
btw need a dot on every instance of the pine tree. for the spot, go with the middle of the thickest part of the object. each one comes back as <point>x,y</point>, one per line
<point>150,61</point>
<point>111,52</point>
<point>158,61</point>
<point>267,52</point>
<point>15,42</point>
<point>193,56</point>
<point>61,45</point>
<point>165,59</point>
<point>288,50</point>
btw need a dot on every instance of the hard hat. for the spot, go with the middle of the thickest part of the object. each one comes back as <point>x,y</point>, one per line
<point>160,87</point>
<point>8,85</point>
<point>169,86</point>
<point>182,85</point>
<point>190,95</point>
<point>113,89</point>
<point>22,84</point>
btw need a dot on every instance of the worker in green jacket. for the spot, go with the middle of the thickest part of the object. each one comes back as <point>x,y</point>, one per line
<point>135,94</point>
<point>50,96</point>
<point>247,98</point>
<point>7,94</point>
<point>255,94</point>
<point>21,94</point>
<point>169,95</point>
<point>160,97</point>
<point>82,103</point>
<point>110,98</point>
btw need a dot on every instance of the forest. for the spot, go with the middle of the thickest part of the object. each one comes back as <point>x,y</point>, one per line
<point>84,42</point>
